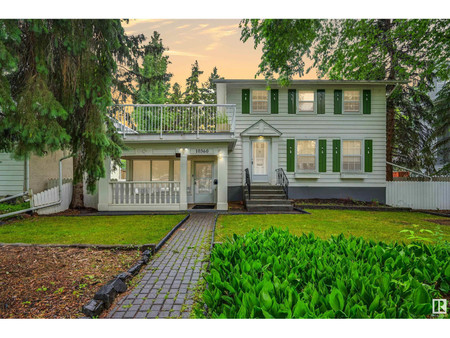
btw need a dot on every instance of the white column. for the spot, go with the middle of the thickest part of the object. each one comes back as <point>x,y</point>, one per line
<point>274,160</point>
<point>104,188</point>
<point>246,157</point>
<point>222,180</point>
<point>183,180</point>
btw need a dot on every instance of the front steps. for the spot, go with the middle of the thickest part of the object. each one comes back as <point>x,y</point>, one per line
<point>267,198</point>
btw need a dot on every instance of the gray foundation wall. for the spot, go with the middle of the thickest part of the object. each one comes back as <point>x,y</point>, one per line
<point>362,194</point>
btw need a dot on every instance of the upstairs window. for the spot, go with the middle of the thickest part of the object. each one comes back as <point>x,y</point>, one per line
<point>351,100</point>
<point>260,101</point>
<point>351,156</point>
<point>306,101</point>
<point>306,155</point>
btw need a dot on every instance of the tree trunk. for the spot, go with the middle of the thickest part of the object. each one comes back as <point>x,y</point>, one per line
<point>77,194</point>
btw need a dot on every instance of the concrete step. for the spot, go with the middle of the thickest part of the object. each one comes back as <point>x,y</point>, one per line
<point>266,187</point>
<point>267,202</point>
<point>252,192</point>
<point>266,196</point>
<point>257,208</point>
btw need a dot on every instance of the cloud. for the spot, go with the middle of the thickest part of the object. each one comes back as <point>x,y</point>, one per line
<point>183,26</point>
<point>216,34</point>
<point>181,53</point>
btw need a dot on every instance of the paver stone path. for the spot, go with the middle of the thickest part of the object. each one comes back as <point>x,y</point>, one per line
<point>167,287</point>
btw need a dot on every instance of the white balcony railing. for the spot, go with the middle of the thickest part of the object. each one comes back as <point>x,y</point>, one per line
<point>174,118</point>
<point>155,192</point>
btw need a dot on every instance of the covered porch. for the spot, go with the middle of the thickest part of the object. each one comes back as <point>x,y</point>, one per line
<point>167,177</point>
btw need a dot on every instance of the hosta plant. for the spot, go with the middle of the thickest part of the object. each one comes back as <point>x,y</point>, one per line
<point>274,274</point>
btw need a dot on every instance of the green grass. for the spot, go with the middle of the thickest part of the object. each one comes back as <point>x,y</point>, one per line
<point>108,230</point>
<point>378,226</point>
<point>5,208</point>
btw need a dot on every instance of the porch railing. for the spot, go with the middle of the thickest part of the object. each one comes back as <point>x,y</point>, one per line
<point>282,181</point>
<point>174,118</point>
<point>155,192</point>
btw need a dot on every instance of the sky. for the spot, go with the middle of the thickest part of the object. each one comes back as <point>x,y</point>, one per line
<point>211,42</point>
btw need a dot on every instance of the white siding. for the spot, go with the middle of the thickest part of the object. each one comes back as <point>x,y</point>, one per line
<point>12,175</point>
<point>326,126</point>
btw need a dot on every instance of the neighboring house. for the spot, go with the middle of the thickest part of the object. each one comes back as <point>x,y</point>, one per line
<point>13,173</point>
<point>328,137</point>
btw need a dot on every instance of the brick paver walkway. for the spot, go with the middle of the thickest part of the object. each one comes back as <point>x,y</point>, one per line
<point>167,288</point>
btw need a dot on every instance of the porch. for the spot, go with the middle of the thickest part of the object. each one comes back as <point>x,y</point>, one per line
<point>163,177</point>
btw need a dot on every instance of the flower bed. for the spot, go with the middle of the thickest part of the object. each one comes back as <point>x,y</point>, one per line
<point>273,274</point>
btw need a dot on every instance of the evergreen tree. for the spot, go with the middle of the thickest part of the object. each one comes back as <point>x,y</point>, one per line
<point>153,80</point>
<point>208,90</point>
<point>441,126</point>
<point>192,93</point>
<point>56,78</point>
<point>377,49</point>
<point>176,96</point>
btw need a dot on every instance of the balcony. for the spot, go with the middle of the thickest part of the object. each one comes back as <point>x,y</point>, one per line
<point>193,120</point>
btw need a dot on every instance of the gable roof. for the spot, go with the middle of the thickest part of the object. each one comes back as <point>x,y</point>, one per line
<point>312,82</point>
<point>261,128</point>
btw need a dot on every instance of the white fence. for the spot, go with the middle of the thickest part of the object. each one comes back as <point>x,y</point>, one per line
<point>155,192</point>
<point>52,195</point>
<point>419,195</point>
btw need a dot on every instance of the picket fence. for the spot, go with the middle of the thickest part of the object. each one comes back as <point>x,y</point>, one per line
<point>418,195</point>
<point>52,195</point>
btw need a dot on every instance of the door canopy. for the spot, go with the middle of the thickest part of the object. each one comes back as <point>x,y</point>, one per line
<point>261,128</point>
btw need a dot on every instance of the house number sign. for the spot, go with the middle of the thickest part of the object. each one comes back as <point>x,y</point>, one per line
<point>201,151</point>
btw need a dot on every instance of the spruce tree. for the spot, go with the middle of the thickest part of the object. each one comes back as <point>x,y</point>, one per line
<point>208,90</point>
<point>56,79</point>
<point>176,96</point>
<point>192,93</point>
<point>153,80</point>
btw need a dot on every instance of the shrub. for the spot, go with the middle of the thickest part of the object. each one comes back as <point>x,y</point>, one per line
<point>274,274</point>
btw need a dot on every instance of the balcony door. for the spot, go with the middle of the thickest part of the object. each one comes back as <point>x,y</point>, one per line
<point>260,161</point>
<point>203,182</point>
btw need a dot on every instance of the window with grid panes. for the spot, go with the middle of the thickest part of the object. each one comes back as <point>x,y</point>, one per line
<point>260,101</point>
<point>306,101</point>
<point>351,100</point>
<point>351,155</point>
<point>306,155</point>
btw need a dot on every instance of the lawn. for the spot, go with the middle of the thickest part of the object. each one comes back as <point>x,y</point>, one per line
<point>108,230</point>
<point>379,226</point>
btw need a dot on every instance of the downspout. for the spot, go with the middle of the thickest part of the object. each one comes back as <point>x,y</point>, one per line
<point>45,205</point>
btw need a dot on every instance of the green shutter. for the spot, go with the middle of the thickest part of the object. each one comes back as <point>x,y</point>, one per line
<point>245,101</point>
<point>290,155</point>
<point>368,156</point>
<point>336,156</point>
<point>274,101</point>
<point>322,156</point>
<point>292,101</point>
<point>338,101</point>
<point>320,101</point>
<point>367,101</point>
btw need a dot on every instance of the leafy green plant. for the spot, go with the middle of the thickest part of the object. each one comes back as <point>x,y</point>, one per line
<point>274,274</point>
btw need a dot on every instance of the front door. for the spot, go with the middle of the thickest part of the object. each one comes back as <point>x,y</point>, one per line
<point>260,151</point>
<point>203,182</point>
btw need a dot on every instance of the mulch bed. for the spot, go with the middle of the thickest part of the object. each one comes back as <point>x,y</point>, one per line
<point>55,282</point>
<point>440,221</point>
<point>337,201</point>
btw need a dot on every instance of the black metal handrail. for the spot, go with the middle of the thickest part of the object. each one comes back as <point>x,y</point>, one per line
<point>247,181</point>
<point>282,180</point>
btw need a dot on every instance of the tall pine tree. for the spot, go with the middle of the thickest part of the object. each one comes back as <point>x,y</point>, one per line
<point>192,93</point>
<point>176,96</point>
<point>56,89</point>
<point>208,90</point>
<point>153,82</point>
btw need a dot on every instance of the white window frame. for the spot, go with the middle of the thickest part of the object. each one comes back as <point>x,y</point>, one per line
<point>361,156</point>
<point>343,101</point>
<point>310,112</point>
<point>316,169</point>
<point>268,101</point>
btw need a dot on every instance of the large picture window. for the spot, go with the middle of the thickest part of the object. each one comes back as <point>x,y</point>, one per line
<point>160,170</point>
<point>306,101</point>
<point>351,155</point>
<point>260,101</point>
<point>351,100</point>
<point>306,155</point>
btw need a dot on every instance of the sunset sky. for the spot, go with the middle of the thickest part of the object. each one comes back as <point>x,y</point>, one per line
<point>211,42</point>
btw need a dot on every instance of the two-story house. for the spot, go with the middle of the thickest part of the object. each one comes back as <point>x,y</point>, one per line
<point>315,138</point>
